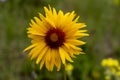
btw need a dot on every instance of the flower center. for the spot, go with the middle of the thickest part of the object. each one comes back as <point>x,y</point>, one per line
<point>55,38</point>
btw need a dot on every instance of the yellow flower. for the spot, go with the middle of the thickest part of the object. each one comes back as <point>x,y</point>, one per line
<point>110,62</point>
<point>104,62</point>
<point>115,63</point>
<point>55,38</point>
<point>69,67</point>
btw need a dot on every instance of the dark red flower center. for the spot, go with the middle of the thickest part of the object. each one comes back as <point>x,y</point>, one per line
<point>55,38</point>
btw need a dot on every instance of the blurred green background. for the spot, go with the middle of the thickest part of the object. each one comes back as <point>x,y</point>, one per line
<point>103,24</point>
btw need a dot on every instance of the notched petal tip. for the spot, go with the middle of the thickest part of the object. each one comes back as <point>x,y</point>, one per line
<point>29,47</point>
<point>45,8</point>
<point>82,25</point>
<point>60,13</point>
<point>86,35</point>
<point>76,19</point>
<point>36,19</point>
<point>73,12</point>
<point>32,21</point>
<point>25,50</point>
<point>54,11</point>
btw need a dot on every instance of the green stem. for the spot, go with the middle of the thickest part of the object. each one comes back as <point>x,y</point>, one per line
<point>65,74</point>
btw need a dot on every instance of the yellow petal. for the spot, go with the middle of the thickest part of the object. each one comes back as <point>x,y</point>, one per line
<point>57,60</point>
<point>32,51</point>
<point>62,56</point>
<point>29,47</point>
<point>58,63</point>
<point>40,24</point>
<point>47,64</point>
<point>37,40</point>
<point>81,35</point>
<point>54,13</point>
<point>74,47</point>
<point>69,50</point>
<point>48,23</point>
<point>42,54</point>
<point>48,54</point>
<point>47,59</point>
<point>81,25</point>
<point>70,29</point>
<point>42,63</point>
<point>81,31</point>
<point>76,19</point>
<point>53,53</point>
<point>58,21</point>
<point>48,13</point>
<point>67,56</point>
<point>50,17</point>
<point>72,15</point>
<point>36,37</point>
<point>75,42</point>
<point>35,32</point>
<point>38,50</point>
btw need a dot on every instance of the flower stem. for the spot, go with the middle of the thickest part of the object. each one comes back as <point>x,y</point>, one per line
<point>65,73</point>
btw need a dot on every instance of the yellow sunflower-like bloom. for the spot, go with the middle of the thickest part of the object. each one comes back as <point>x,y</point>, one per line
<point>55,38</point>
